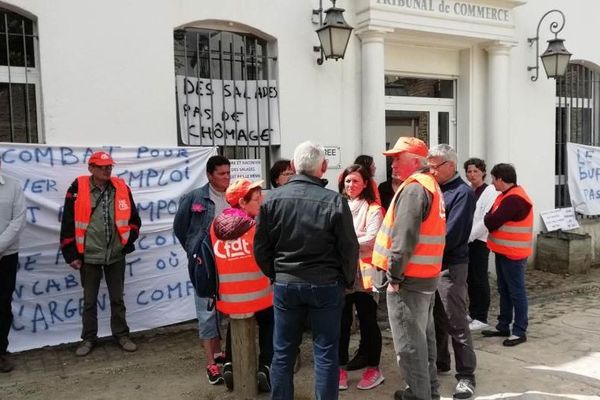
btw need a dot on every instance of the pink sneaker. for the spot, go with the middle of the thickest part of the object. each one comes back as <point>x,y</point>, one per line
<point>343,379</point>
<point>371,378</point>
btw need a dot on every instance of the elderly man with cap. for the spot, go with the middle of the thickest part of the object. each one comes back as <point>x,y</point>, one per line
<point>410,246</point>
<point>99,226</point>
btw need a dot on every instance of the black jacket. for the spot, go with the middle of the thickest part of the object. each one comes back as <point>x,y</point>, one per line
<point>305,234</point>
<point>460,207</point>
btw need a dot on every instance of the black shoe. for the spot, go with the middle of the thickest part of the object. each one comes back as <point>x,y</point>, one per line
<point>213,374</point>
<point>465,388</point>
<point>514,341</point>
<point>264,379</point>
<point>5,364</point>
<point>492,333</point>
<point>359,361</point>
<point>228,375</point>
<point>220,359</point>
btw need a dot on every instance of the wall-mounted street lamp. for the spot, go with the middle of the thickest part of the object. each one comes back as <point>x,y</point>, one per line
<point>334,32</point>
<point>556,57</point>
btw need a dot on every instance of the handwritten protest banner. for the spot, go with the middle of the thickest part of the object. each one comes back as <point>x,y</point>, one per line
<point>235,113</point>
<point>48,299</point>
<point>584,178</point>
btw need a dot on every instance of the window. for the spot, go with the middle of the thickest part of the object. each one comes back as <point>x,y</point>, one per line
<point>226,94</point>
<point>419,87</point>
<point>19,79</point>
<point>577,118</point>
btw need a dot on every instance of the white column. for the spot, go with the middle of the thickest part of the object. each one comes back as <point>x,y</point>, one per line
<point>498,135</point>
<point>373,99</point>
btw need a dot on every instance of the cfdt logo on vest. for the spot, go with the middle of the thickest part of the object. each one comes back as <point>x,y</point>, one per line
<point>232,248</point>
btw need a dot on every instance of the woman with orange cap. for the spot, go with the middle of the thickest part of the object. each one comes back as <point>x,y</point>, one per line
<point>242,287</point>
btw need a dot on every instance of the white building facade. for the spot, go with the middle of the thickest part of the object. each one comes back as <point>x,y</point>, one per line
<point>447,71</point>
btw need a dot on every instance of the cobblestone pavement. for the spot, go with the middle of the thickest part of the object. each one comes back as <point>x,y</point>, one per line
<point>561,359</point>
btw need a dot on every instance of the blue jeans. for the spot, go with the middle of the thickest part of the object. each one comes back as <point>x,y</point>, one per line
<point>513,295</point>
<point>323,304</point>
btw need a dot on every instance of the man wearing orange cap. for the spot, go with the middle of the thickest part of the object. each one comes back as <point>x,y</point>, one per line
<point>409,247</point>
<point>99,226</point>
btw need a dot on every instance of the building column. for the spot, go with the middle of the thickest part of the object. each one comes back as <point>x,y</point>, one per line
<point>373,99</point>
<point>498,135</point>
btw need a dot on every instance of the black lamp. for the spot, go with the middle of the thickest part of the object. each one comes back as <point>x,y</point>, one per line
<point>334,33</point>
<point>556,57</point>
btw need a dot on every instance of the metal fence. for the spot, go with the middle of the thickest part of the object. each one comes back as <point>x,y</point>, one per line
<point>215,57</point>
<point>577,118</point>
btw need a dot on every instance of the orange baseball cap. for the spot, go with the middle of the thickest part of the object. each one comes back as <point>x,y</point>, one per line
<point>410,145</point>
<point>240,188</point>
<point>101,158</point>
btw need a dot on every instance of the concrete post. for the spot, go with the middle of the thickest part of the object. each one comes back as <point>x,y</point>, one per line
<point>497,143</point>
<point>373,99</point>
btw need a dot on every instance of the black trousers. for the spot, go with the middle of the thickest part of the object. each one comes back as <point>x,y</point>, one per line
<point>479,284</point>
<point>370,334</point>
<point>91,275</point>
<point>8,279</point>
<point>265,321</point>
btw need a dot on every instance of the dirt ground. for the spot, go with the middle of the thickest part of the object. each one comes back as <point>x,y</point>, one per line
<point>169,363</point>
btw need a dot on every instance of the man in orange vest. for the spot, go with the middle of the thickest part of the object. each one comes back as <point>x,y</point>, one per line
<point>510,223</point>
<point>410,246</point>
<point>99,226</point>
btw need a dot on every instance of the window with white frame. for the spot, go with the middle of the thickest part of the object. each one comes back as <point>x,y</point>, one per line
<point>19,79</point>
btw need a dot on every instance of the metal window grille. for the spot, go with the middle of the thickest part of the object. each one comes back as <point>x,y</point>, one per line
<point>19,79</point>
<point>577,119</point>
<point>219,56</point>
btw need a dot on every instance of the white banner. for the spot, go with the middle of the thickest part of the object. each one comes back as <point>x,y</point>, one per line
<point>215,112</point>
<point>584,178</point>
<point>48,299</point>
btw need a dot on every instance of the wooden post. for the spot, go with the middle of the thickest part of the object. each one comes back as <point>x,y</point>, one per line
<point>244,360</point>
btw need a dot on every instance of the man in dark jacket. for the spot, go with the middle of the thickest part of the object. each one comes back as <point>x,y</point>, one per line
<point>99,226</point>
<point>196,212</point>
<point>450,310</point>
<point>306,243</point>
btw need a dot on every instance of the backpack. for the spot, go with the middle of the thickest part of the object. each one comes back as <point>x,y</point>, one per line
<point>203,271</point>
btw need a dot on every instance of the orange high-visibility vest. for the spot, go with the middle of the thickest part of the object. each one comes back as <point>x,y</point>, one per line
<point>514,239</point>
<point>83,210</point>
<point>365,264</point>
<point>243,288</point>
<point>426,261</point>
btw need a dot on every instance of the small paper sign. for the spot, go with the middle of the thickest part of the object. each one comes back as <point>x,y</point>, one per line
<point>560,218</point>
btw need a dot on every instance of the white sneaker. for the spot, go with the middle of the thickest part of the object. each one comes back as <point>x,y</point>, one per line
<point>476,325</point>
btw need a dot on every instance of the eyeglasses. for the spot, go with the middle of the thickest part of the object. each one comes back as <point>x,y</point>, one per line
<point>287,173</point>
<point>436,167</point>
<point>102,166</point>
